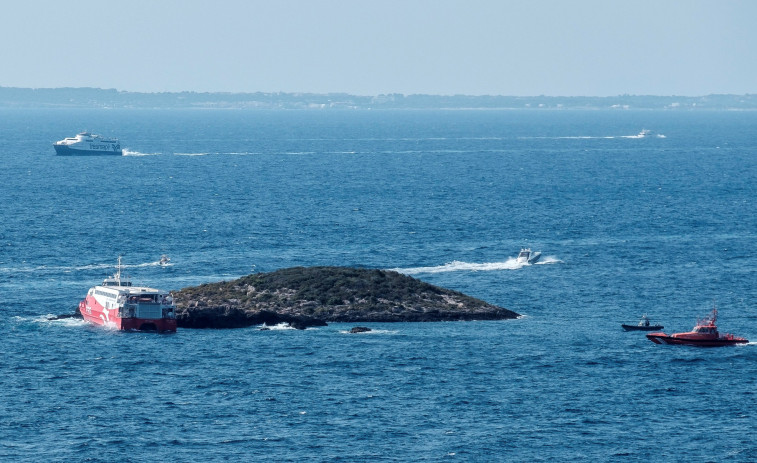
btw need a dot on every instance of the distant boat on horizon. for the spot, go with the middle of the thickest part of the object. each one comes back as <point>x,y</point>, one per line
<point>646,133</point>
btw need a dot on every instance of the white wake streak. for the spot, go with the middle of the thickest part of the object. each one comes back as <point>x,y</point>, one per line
<point>458,266</point>
<point>128,152</point>
<point>60,268</point>
<point>642,134</point>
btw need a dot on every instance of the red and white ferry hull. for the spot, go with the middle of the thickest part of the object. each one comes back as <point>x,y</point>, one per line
<point>96,314</point>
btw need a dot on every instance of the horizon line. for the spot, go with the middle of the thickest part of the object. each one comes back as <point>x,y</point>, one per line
<point>370,95</point>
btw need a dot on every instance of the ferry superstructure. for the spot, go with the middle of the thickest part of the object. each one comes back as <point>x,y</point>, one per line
<point>118,304</point>
<point>87,144</point>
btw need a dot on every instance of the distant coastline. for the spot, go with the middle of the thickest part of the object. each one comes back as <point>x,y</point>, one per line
<point>86,97</point>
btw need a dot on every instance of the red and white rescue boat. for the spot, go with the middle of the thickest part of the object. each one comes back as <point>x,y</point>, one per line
<point>117,304</point>
<point>704,334</point>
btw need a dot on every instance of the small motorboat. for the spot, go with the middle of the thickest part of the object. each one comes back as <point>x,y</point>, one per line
<point>646,133</point>
<point>704,334</point>
<point>164,260</point>
<point>525,256</point>
<point>644,325</point>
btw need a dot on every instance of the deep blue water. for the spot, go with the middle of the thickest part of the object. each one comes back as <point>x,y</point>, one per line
<point>663,226</point>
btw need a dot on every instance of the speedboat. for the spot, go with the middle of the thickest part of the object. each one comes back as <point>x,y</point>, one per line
<point>118,304</point>
<point>164,260</point>
<point>525,256</point>
<point>704,334</point>
<point>646,133</point>
<point>88,144</point>
<point>644,325</point>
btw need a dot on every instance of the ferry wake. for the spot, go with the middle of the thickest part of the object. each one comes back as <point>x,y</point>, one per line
<point>117,304</point>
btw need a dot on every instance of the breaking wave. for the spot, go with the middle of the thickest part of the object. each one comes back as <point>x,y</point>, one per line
<point>277,327</point>
<point>66,320</point>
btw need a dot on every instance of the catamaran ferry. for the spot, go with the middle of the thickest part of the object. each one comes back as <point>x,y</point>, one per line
<point>86,144</point>
<point>117,304</point>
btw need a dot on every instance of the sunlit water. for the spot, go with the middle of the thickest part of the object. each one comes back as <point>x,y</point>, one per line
<point>662,224</point>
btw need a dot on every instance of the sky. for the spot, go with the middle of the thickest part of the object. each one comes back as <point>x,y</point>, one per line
<point>362,47</point>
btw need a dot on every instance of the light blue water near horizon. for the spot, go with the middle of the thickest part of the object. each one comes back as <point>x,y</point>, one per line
<point>627,225</point>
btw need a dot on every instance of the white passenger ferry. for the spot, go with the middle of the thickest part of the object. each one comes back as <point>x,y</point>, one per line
<point>118,304</point>
<point>86,143</point>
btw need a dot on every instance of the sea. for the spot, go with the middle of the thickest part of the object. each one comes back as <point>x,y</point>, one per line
<point>662,223</point>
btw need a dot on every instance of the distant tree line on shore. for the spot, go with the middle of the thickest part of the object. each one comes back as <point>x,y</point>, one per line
<point>85,97</point>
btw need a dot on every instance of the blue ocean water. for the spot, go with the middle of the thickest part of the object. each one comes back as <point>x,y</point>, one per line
<point>663,225</point>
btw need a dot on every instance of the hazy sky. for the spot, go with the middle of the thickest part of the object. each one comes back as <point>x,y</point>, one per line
<point>525,47</point>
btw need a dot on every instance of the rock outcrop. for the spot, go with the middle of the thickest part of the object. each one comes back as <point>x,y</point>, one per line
<point>312,296</point>
<point>360,329</point>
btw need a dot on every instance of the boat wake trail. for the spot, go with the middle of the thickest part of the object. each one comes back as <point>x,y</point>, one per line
<point>458,266</point>
<point>128,152</point>
<point>216,153</point>
<point>45,269</point>
<point>643,134</point>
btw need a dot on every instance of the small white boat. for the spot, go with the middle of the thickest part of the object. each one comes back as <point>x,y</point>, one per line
<point>526,256</point>
<point>164,260</point>
<point>646,133</point>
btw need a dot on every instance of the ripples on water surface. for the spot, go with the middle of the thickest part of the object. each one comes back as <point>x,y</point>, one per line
<point>663,226</point>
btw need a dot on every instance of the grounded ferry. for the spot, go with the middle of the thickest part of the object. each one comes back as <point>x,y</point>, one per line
<point>87,144</point>
<point>117,304</point>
